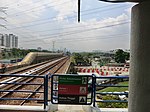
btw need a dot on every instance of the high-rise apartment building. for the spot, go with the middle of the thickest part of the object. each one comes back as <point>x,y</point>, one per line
<point>9,41</point>
<point>16,42</point>
<point>6,40</point>
<point>1,40</point>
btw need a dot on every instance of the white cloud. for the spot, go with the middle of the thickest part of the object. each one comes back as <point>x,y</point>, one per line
<point>75,34</point>
<point>64,7</point>
<point>21,11</point>
<point>94,39</point>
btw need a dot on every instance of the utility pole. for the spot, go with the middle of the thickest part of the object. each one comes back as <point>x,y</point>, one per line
<point>3,10</point>
<point>53,46</point>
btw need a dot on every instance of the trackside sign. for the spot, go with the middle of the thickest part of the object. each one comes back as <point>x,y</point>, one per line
<point>70,89</point>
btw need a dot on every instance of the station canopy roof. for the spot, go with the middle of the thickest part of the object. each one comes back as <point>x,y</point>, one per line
<point>119,1</point>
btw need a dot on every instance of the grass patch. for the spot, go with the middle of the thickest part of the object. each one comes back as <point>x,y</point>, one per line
<point>116,89</point>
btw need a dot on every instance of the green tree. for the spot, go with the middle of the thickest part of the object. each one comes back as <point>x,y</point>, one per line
<point>127,55</point>
<point>121,56</point>
<point>78,58</point>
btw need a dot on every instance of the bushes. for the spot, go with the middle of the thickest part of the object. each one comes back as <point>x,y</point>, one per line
<point>110,104</point>
<point>113,97</point>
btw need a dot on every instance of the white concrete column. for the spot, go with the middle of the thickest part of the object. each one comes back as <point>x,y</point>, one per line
<point>139,90</point>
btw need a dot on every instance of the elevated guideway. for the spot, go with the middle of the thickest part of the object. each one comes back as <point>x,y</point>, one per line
<point>35,57</point>
<point>32,58</point>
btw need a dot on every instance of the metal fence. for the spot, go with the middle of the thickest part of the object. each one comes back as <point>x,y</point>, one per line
<point>13,81</point>
<point>108,81</point>
<point>97,83</point>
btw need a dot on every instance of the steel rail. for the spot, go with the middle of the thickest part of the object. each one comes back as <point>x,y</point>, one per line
<point>36,90</point>
<point>33,71</point>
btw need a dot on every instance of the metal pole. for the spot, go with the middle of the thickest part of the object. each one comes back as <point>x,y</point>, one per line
<point>45,91</point>
<point>78,10</point>
<point>94,89</point>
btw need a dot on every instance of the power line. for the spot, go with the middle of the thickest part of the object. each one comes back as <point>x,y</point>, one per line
<point>95,37</point>
<point>10,4</point>
<point>37,7</point>
<point>53,20</point>
<point>67,33</point>
<point>20,6</point>
<point>76,32</point>
<point>89,38</point>
<point>82,14</point>
<point>73,27</point>
<point>45,30</point>
<point>55,17</point>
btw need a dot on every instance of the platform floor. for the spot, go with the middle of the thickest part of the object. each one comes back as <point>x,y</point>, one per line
<point>78,108</point>
<point>70,108</point>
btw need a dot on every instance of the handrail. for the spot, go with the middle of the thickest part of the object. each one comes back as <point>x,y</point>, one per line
<point>104,84</point>
<point>17,75</point>
<point>44,91</point>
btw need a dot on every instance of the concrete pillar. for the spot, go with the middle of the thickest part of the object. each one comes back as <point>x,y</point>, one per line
<point>139,90</point>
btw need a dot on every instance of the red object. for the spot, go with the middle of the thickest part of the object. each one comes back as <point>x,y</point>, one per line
<point>106,73</point>
<point>80,69</point>
<point>88,71</point>
<point>72,89</point>
<point>84,70</point>
<point>97,71</point>
<point>102,73</point>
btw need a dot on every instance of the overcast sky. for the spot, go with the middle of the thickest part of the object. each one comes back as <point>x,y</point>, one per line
<point>40,23</point>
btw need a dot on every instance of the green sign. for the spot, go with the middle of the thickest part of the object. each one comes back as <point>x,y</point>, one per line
<point>75,80</point>
<point>71,89</point>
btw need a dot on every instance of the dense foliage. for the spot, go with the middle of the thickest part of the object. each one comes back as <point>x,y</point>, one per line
<point>113,97</point>
<point>86,58</point>
<point>121,56</point>
<point>80,59</point>
<point>18,53</point>
<point>110,104</point>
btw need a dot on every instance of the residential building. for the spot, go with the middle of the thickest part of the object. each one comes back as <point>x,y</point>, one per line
<point>9,41</point>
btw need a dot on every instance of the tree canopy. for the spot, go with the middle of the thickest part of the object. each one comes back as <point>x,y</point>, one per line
<point>121,56</point>
<point>81,59</point>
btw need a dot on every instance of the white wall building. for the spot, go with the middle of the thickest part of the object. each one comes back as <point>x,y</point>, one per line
<point>9,41</point>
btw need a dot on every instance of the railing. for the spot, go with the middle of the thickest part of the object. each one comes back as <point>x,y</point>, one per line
<point>14,82</point>
<point>97,83</point>
<point>108,81</point>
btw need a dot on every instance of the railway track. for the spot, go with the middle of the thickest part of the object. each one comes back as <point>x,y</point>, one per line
<point>18,90</point>
<point>25,69</point>
<point>28,71</point>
